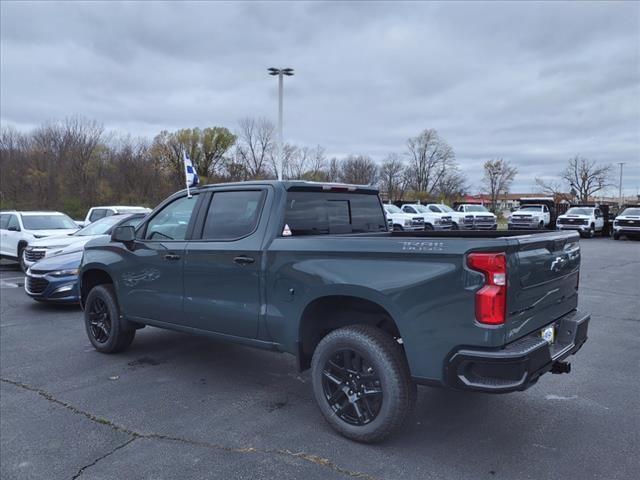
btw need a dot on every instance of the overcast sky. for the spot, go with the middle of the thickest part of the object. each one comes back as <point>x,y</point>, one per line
<point>532,83</point>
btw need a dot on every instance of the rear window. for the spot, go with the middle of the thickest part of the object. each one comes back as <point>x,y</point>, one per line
<point>322,213</point>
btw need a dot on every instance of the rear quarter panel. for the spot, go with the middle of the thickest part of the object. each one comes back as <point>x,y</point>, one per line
<point>422,283</point>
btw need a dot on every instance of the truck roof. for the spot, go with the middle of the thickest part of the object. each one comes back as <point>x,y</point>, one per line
<point>296,185</point>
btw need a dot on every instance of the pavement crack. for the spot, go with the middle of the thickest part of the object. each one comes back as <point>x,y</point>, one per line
<point>111,452</point>
<point>307,457</point>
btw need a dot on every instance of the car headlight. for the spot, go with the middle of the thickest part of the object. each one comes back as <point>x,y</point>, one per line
<point>407,223</point>
<point>64,273</point>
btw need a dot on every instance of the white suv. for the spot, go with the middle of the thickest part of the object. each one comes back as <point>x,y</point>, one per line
<point>18,229</point>
<point>456,217</point>
<point>432,220</point>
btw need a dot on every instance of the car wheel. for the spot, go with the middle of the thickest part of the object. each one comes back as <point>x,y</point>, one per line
<point>397,228</point>
<point>101,319</point>
<point>592,231</point>
<point>23,266</point>
<point>541,226</point>
<point>616,236</point>
<point>454,226</point>
<point>361,382</point>
<point>428,226</point>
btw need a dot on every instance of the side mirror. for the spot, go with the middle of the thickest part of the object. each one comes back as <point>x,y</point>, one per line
<point>13,228</point>
<point>123,234</point>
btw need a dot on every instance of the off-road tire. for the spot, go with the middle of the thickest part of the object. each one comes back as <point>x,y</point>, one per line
<point>387,358</point>
<point>119,339</point>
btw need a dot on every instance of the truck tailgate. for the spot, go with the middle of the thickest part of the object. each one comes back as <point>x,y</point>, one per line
<point>543,276</point>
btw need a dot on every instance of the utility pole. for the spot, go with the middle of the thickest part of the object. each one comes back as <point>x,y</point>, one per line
<point>620,185</point>
<point>280,72</point>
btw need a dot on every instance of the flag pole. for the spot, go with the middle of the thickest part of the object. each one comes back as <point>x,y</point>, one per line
<point>186,173</point>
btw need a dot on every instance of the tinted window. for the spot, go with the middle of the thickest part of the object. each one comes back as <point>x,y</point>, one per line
<point>4,221</point>
<point>232,215</point>
<point>172,221</point>
<point>631,211</point>
<point>434,209</point>
<point>316,213</point>
<point>48,222</point>
<point>409,209</point>
<point>97,214</point>
<point>131,222</point>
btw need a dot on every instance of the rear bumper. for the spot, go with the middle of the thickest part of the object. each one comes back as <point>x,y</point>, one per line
<point>518,365</point>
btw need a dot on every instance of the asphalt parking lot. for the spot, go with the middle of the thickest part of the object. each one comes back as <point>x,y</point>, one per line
<point>175,406</point>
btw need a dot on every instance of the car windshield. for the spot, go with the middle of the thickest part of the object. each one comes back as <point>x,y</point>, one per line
<point>392,209</point>
<point>579,211</point>
<point>445,208</point>
<point>531,208</point>
<point>631,211</point>
<point>475,208</point>
<point>100,227</point>
<point>48,222</point>
<point>421,208</point>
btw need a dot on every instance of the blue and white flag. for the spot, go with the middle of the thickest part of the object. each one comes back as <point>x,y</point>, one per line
<point>190,173</point>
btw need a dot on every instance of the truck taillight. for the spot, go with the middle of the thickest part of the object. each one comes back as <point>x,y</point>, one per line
<point>491,299</point>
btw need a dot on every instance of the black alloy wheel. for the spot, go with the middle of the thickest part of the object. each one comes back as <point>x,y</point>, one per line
<point>352,388</point>
<point>99,320</point>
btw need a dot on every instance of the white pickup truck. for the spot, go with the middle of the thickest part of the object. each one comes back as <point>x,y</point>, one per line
<point>586,220</point>
<point>432,220</point>
<point>530,217</point>
<point>627,223</point>
<point>96,213</point>
<point>477,217</point>
<point>403,221</point>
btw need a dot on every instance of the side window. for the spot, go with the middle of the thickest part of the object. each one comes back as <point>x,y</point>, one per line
<point>97,214</point>
<point>13,223</point>
<point>233,215</point>
<point>131,222</point>
<point>410,210</point>
<point>4,221</point>
<point>172,221</point>
<point>598,213</point>
<point>108,213</point>
<point>434,209</point>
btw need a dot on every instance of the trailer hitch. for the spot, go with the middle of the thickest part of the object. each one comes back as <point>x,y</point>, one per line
<point>560,367</point>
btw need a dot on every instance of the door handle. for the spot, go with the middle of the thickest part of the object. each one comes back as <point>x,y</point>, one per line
<point>242,260</point>
<point>171,256</point>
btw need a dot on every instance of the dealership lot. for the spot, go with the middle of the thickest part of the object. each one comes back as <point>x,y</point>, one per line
<point>176,406</point>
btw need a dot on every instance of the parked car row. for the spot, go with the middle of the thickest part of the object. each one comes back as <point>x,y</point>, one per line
<point>435,216</point>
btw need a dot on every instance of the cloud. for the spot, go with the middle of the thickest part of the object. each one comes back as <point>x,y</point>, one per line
<point>534,83</point>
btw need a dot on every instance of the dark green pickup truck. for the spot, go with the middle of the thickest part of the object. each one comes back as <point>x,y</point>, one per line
<point>310,269</point>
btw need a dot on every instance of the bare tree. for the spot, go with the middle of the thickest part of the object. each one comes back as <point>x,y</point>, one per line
<point>452,185</point>
<point>255,145</point>
<point>333,172</point>
<point>586,177</point>
<point>498,176</point>
<point>359,170</point>
<point>317,169</point>
<point>429,159</point>
<point>392,177</point>
<point>554,188</point>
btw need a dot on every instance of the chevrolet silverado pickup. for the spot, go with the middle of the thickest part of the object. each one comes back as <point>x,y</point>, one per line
<point>312,270</point>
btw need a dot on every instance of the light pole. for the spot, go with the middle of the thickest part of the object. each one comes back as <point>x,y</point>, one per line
<point>280,72</point>
<point>620,185</point>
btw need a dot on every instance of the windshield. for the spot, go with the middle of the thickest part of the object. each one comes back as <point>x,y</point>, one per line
<point>100,227</point>
<point>421,208</point>
<point>631,211</point>
<point>475,208</point>
<point>392,209</point>
<point>446,208</point>
<point>579,211</point>
<point>531,208</point>
<point>48,222</point>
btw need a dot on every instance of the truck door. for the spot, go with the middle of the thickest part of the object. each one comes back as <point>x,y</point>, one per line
<point>150,281</point>
<point>222,269</point>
